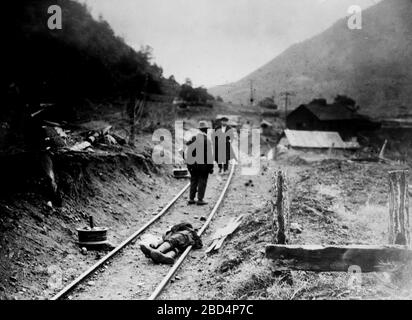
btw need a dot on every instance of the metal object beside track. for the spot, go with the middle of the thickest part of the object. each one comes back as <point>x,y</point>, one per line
<point>112,253</point>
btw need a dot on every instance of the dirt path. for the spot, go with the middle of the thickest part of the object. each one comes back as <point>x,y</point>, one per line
<point>131,275</point>
<point>197,275</point>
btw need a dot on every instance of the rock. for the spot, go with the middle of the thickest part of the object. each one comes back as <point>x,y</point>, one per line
<point>83,251</point>
<point>2,289</point>
<point>108,246</point>
<point>91,283</point>
<point>249,184</point>
<point>296,228</point>
<point>345,227</point>
<point>202,218</point>
<point>13,279</point>
<point>178,278</point>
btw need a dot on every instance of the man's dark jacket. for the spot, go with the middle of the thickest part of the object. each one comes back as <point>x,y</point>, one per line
<point>222,142</point>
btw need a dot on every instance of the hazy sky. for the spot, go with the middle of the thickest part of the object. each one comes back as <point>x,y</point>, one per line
<point>218,41</point>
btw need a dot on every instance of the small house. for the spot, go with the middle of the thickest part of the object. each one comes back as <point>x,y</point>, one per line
<point>320,116</point>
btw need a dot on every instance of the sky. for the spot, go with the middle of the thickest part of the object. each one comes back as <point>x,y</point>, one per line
<point>215,42</point>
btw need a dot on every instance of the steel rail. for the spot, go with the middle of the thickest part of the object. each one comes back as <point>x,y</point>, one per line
<point>179,262</point>
<point>112,253</point>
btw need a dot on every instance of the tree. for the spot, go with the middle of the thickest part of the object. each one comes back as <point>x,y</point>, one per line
<point>188,82</point>
<point>194,95</point>
<point>319,101</point>
<point>147,52</point>
<point>268,103</point>
<point>346,101</point>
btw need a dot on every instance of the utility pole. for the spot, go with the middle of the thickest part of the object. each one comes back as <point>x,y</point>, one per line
<point>252,94</point>
<point>287,95</point>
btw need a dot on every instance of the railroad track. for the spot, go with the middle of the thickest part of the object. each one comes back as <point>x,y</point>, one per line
<point>131,239</point>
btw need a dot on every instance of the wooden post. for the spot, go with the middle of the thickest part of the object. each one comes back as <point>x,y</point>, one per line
<point>131,110</point>
<point>280,208</point>
<point>399,232</point>
<point>91,222</point>
<point>382,152</point>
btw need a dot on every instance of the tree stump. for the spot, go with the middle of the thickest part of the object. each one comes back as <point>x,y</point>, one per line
<point>399,231</point>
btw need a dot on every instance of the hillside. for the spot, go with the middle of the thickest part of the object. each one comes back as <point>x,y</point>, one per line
<point>83,59</point>
<point>371,65</point>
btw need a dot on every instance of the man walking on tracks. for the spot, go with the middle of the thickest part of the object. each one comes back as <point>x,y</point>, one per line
<point>199,159</point>
<point>222,138</point>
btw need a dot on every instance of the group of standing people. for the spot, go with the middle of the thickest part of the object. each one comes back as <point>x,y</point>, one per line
<point>214,148</point>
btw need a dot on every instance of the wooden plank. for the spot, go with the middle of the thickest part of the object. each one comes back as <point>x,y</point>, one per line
<point>232,229</point>
<point>221,235</point>
<point>219,243</point>
<point>232,225</point>
<point>81,146</point>
<point>212,246</point>
<point>382,152</point>
<point>399,231</point>
<point>221,232</point>
<point>337,258</point>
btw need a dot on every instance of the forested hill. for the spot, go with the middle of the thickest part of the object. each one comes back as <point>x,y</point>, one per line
<point>371,65</point>
<point>83,59</point>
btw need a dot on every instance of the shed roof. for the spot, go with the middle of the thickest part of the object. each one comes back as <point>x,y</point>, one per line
<point>333,112</point>
<point>266,123</point>
<point>317,139</point>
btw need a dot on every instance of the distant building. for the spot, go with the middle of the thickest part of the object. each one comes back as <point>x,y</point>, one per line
<point>234,121</point>
<point>298,139</point>
<point>266,127</point>
<point>320,116</point>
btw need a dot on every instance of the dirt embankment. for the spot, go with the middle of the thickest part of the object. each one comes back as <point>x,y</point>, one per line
<point>334,201</point>
<point>38,250</point>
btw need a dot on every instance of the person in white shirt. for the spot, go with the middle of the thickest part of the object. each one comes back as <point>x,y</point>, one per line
<point>223,137</point>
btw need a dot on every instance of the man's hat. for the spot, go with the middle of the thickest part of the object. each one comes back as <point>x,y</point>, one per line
<point>203,125</point>
<point>223,119</point>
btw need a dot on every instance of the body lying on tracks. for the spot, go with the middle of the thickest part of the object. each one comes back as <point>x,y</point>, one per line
<point>175,241</point>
